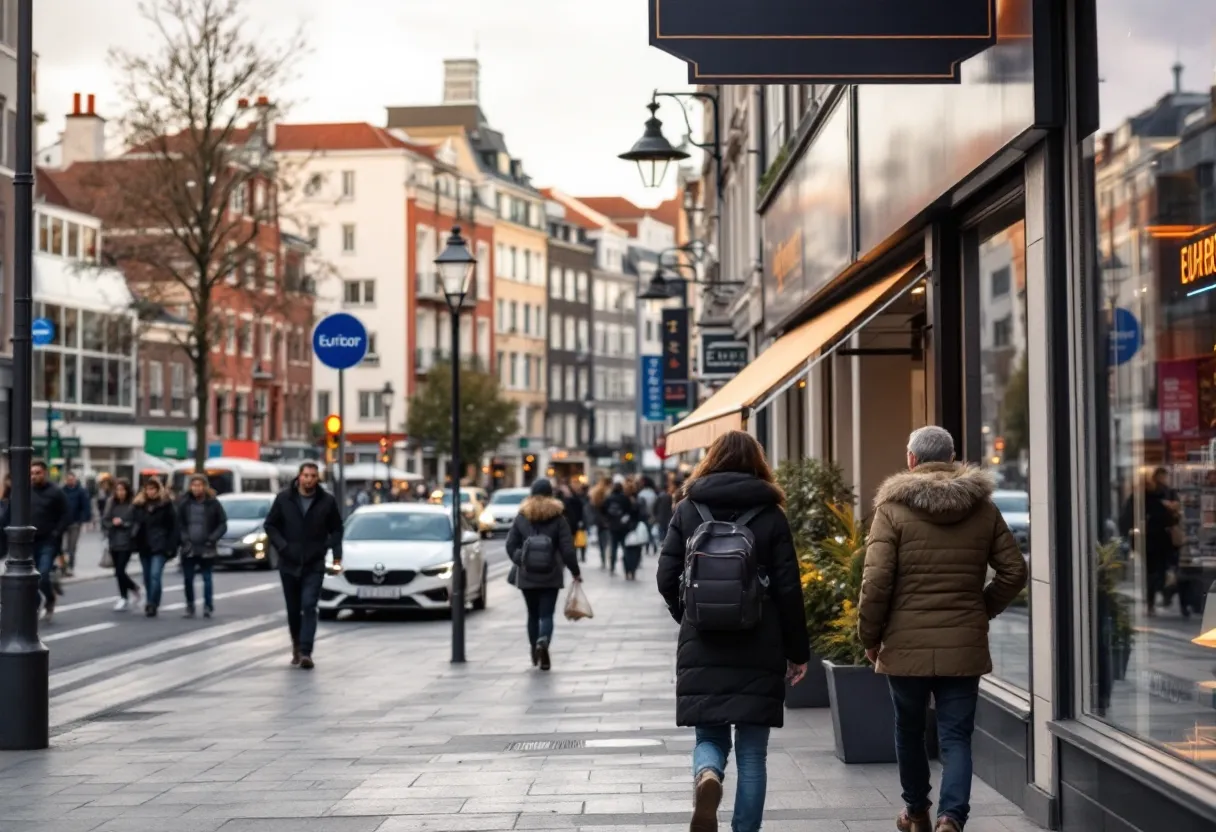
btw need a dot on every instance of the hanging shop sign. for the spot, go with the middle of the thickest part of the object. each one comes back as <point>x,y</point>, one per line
<point>1197,263</point>
<point>652,389</point>
<point>676,396</point>
<point>823,41</point>
<point>722,356</point>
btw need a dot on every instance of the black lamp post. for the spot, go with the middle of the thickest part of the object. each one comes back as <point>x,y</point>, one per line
<point>653,153</point>
<point>24,659</point>
<point>386,403</point>
<point>456,264</point>
<point>664,287</point>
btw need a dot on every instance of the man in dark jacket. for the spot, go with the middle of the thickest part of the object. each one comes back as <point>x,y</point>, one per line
<point>49,515</point>
<point>304,524</point>
<point>924,612</point>
<point>541,516</point>
<point>203,522</point>
<point>1155,541</point>
<point>622,515</point>
<point>80,512</point>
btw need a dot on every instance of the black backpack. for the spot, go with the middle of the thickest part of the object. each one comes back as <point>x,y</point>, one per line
<point>538,554</point>
<point>723,584</point>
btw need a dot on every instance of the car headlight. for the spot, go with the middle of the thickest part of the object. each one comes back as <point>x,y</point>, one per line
<point>442,570</point>
<point>255,539</point>
<point>487,518</point>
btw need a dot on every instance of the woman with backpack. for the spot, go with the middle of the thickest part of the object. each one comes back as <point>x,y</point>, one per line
<point>621,516</point>
<point>541,548</point>
<point>743,636</point>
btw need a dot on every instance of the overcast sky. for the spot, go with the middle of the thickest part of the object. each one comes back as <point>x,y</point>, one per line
<point>567,81</point>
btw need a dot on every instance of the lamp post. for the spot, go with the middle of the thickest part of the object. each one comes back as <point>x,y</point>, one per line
<point>456,264</point>
<point>386,403</point>
<point>24,659</point>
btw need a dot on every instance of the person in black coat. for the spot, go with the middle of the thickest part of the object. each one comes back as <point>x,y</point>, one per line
<point>203,522</point>
<point>304,525</point>
<point>576,511</point>
<point>737,677</point>
<point>620,515</point>
<point>541,515</point>
<point>1162,513</point>
<point>157,538</point>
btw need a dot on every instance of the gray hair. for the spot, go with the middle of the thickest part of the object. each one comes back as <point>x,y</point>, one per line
<point>931,444</point>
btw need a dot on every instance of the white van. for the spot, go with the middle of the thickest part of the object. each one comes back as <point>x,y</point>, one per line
<point>229,475</point>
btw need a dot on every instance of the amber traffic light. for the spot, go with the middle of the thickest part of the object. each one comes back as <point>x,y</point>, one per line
<point>333,429</point>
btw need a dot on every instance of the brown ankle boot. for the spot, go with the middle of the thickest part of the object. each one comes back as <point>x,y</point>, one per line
<point>706,798</point>
<point>947,824</point>
<point>909,821</point>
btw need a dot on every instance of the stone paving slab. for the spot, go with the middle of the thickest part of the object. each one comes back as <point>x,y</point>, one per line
<point>387,736</point>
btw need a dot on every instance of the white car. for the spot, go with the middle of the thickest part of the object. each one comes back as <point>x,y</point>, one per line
<point>1015,508</point>
<point>398,556</point>
<point>499,514</point>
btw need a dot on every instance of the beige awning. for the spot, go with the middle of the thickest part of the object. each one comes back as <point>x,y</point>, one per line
<point>727,409</point>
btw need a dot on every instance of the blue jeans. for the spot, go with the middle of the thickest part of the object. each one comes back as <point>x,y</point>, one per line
<point>751,760</point>
<point>45,552</point>
<point>154,570</point>
<point>955,698</point>
<point>202,566</point>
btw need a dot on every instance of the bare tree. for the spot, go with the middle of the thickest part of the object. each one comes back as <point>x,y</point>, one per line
<point>193,207</point>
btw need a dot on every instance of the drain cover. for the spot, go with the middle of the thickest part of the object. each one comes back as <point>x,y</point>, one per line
<point>623,743</point>
<point>546,745</point>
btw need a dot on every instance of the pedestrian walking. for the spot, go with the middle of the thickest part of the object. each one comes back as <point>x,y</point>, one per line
<point>203,522</point>
<point>621,516</point>
<point>575,512</point>
<point>118,525</point>
<point>737,648</point>
<point>157,536</point>
<point>664,506</point>
<point>80,513</point>
<point>541,549</point>
<point>637,533</point>
<point>647,495</point>
<point>1161,540</point>
<point>595,505</point>
<point>49,515</point>
<point>924,613</point>
<point>105,490</point>
<point>303,525</point>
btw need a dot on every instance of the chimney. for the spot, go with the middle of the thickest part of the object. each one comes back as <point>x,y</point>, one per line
<point>242,104</point>
<point>266,118</point>
<point>1178,69</point>
<point>84,135</point>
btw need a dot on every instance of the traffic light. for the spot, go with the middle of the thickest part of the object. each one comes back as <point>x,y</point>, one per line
<point>384,452</point>
<point>333,430</point>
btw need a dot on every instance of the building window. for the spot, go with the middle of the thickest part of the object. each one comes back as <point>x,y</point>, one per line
<point>56,236</point>
<point>555,383</point>
<point>177,388</point>
<point>1000,282</point>
<point>156,387</point>
<point>348,184</point>
<point>555,332</point>
<point>527,319</point>
<point>514,317</point>
<point>571,333</point>
<point>236,202</point>
<point>358,292</point>
<point>500,316</point>
<point>483,271</point>
<point>348,238</point>
<point>268,345</point>
<point>370,406</point>
<point>1002,441</point>
<point>583,280</point>
<point>323,405</point>
<point>571,292</point>
<point>555,282</point>
<point>245,336</point>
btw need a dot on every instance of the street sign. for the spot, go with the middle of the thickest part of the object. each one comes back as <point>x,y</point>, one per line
<point>1125,337</point>
<point>42,331</point>
<point>339,341</point>
<point>676,396</point>
<point>652,388</point>
<point>660,447</point>
<point>722,355</point>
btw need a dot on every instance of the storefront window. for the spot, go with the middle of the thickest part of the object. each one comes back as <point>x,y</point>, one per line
<point>1000,399</point>
<point>1152,226</point>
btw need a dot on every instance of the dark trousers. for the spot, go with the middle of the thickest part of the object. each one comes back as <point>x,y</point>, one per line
<point>541,605</point>
<point>125,584</point>
<point>45,553</point>
<point>198,566</point>
<point>302,592</point>
<point>955,698</point>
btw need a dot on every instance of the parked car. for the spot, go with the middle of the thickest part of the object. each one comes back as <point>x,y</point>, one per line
<point>472,500</point>
<point>1015,508</point>
<point>398,556</point>
<point>500,512</point>
<point>245,542</point>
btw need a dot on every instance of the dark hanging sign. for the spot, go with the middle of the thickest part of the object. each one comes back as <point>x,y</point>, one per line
<point>722,356</point>
<point>676,397</point>
<point>823,41</point>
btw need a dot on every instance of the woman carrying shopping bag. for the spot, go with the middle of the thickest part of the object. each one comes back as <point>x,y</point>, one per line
<point>541,549</point>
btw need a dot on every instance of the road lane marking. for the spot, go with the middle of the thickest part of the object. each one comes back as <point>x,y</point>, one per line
<point>219,596</point>
<point>80,631</point>
<point>101,602</point>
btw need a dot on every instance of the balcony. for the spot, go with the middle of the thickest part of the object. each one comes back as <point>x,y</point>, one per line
<point>425,359</point>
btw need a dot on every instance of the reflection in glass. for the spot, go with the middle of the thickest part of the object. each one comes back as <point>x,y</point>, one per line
<point>112,382</point>
<point>93,380</point>
<point>1154,378</point>
<point>93,331</point>
<point>70,377</point>
<point>53,376</point>
<point>71,328</point>
<point>1004,424</point>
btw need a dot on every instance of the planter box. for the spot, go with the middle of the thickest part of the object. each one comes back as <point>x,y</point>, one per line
<point>812,691</point>
<point>863,718</point>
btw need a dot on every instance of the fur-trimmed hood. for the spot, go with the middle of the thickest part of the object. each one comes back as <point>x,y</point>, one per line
<point>141,499</point>
<point>944,491</point>
<point>537,509</point>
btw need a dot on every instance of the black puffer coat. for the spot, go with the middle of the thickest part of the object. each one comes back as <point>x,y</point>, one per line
<point>540,515</point>
<point>737,677</point>
<point>157,531</point>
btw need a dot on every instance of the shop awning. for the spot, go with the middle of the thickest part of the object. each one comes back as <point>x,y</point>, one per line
<point>726,409</point>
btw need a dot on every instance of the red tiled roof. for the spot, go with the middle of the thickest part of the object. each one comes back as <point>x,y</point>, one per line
<point>613,207</point>
<point>355,135</point>
<point>668,212</point>
<point>46,188</point>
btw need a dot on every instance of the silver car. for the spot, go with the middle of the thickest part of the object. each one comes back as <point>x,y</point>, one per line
<point>500,512</point>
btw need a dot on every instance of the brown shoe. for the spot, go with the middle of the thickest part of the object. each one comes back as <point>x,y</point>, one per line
<point>295,655</point>
<point>909,821</point>
<point>947,824</point>
<point>706,797</point>
<point>306,663</point>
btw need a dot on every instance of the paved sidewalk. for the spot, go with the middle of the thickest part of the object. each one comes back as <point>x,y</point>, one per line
<point>386,736</point>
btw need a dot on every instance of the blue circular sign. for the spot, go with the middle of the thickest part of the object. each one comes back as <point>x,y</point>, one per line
<point>339,341</point>
<point>1126,337</point>
<point>42,331</point>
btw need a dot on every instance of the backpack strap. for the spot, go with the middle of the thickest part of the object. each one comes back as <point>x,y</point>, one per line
<point>749,515</point>
<point>703,511</point>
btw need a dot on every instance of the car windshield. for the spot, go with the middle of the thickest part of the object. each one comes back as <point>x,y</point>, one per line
<point>508,498</point>
<point>398,525</point>
<point>465,497</point>
<point>246,509</point>
<point>1012,503</point>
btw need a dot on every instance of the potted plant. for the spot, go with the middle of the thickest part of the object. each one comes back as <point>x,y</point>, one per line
<point>1115,632</point>
<point>811,486</point>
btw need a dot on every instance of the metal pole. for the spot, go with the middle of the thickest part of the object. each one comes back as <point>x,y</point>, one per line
<point>637,380</point>
<point>340,486</point>
<point>388,454</point>
<point>24,659</point>
<point>457,531</point>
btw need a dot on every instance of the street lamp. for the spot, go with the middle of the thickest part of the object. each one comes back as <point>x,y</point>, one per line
<point>653,153</point>
<point>24,659</point>
<point>456,264</point>
<point>665,287</point>
<point>386,402</point>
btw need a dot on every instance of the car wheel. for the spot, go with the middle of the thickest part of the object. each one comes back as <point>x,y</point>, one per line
<point>482,600</point>
<point>327,615</point>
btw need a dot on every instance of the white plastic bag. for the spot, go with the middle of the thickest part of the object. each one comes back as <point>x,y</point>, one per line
<point>577,605</point>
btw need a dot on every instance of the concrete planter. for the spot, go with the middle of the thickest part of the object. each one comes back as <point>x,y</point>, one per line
<point>863,718</point>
